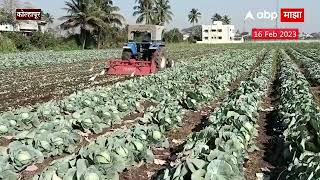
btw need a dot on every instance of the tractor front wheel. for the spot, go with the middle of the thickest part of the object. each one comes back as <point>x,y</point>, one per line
<point>126,55</point>
<point>170,63</point>
<point>160,57</point>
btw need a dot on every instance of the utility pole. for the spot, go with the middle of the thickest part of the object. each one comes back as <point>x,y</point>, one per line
<point>278,13</point>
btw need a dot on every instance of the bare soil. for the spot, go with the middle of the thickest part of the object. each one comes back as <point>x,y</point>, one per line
<point>269,159</point>
<point>31,85</point>
<point>38,84</point>
<point>256,162</point>
<point>316,93</point>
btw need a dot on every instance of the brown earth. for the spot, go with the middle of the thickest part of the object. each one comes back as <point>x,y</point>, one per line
<point>32,85</point>
<point>256,162</point>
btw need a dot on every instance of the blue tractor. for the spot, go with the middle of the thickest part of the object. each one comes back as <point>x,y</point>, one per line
<point>143,54</point>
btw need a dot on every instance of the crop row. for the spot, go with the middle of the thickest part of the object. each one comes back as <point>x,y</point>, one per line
<point>94,99</point>
<point>45,58</point>
<point>300,116</point>
<point>311,53</point>
<point>218,151</point>
<point>92,110</point>
<point>108,155</point>
<point>39,58</point>
<point>312,67</point>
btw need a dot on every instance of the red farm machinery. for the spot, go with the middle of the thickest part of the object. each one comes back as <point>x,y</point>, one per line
<point>143,54</point>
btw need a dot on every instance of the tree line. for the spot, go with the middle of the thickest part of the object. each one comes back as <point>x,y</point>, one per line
<point>100,22</point>
<point>195,15</point>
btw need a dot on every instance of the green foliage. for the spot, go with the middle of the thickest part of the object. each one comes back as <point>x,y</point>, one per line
<point>6,44</point>
<point>21,41</point>
<point>217,17</point>
<point>91,16</point>
<point>43,40</point>
<point>299,113</point>
<point>88,111</point>
<point>41,58</point>
<point>153,12</point>
<point>13,41</point>
<point>173,36</point>
<point>218,151</point>
<point>194,16</point>
<point>196,34</point>
<point>66,44</point>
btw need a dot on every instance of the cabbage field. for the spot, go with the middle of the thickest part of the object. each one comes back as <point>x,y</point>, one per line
<point>225,112</point>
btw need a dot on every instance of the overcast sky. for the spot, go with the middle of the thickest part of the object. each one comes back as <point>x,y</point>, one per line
<point>236,9</point>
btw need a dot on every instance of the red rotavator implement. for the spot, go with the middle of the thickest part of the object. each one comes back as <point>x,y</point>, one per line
<point>131,67</point>
<point>144,53</point>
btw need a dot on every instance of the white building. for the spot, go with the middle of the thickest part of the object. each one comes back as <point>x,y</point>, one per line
<point>218,33</point>
<point>186,36</point>
<point>6,28</point>
<point>25,27</point>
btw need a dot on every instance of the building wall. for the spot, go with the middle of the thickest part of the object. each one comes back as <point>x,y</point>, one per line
<point>28,26</point>
<point>218,33</point>
<point>25,26</point>
<point>6,27</point>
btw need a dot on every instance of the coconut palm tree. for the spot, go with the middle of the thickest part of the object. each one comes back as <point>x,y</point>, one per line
<point>163,12</point>
<point>194,16</point>
<point>145,11</point>
<point>226,19</point>
<point>47,17</point>
<point>109,13</point>
<point>90,16</point>
<point>216,17</point>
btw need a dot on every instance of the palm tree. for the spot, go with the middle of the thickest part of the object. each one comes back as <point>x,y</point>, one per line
<point>163,12</point>
<point>226,19</point>
<point>216,17</point>
<point>194,16</point>
<point>109,13</point>
<point>145,11</point>
<point>47,17</point>
<point>89,16</point>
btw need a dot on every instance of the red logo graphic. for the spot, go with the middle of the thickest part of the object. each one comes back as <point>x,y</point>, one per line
<point>292,14</point>
<point>28,14</point>
<point>275,34</point>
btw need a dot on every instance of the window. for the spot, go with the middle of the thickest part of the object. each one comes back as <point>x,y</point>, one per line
<point>214,30</point>
<point>220,37</point>
<point>206,38</point>
<point>219,30</point>
<point>206,30</point>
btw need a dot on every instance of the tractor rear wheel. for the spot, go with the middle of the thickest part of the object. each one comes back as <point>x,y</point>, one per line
<point>126,55</point>
<point>160,57</point>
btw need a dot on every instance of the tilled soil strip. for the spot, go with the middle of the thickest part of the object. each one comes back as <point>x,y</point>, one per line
<point>36,94</point>
<point>192,121</point>
<point>43,95</point>
<point>127,122</point>
<point>256,162</point>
